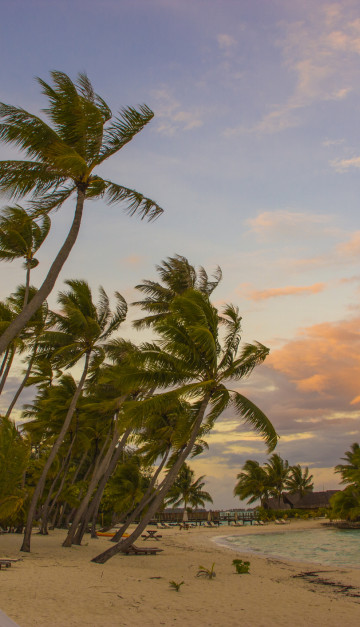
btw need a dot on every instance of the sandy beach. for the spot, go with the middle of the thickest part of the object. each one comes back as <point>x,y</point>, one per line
<point>60,587</point>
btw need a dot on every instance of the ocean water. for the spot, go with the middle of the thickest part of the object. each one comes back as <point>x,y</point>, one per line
<point>321,546</point>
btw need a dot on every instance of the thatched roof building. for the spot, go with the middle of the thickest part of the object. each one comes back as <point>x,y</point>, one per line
<point>311,500</point>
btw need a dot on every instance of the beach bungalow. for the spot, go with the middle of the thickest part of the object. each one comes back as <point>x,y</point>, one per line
<point>311,500</point>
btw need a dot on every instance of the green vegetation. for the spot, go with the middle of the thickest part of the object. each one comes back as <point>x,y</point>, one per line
<point>346,504</point>
<point>241,567</point>
<point>176,586</point>
<point>188,490</point>
<point>94,446</point>
<point>257,482</point>
<point>208,573</point>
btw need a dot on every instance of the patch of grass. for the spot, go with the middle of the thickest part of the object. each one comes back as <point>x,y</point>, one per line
<point>241,567</point>
<point>209,573</point>
<point>175,586</point>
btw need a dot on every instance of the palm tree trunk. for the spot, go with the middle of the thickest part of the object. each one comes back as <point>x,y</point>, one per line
<point>23,383</point>
<point>98,473</point>
<point>47,508</point>
<point>147,497</point>
<point>27,283</point>
<point>169,480</point>
<point>94,506</point>
<point>54,451</point>
<point>7,369</point>
<point>29,310</point>
<point>3,363</point>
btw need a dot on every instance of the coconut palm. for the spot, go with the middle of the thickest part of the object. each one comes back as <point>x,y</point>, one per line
<point>193,355</point>
<point>350,471</point>
<point>80,330</point>
<point>62,159</point>
<point>277,470</point>
<point>177,275</point>
<point>253,482</point>
<point>21,237</point>
<point>299,481</point>
<point>188,490</point>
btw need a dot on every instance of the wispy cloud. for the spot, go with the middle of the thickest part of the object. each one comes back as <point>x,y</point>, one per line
<point>171,117</point>
<point>290,290</point>
<point>226,43</point>
<point>284,221</point>
<point>343,165</point>
<point>314,54</point>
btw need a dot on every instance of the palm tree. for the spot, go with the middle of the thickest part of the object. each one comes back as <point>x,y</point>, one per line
<point>81,328</point>
<point>253,482</point>
<point>350,471</point>
<point>21,237</point>
<point>14,457</point>
<point>62,159</point>
<point>299,481</point>
<point>192,355</point>
<point>188,490</point>
<point>177,276</point>
<point>277,470</point>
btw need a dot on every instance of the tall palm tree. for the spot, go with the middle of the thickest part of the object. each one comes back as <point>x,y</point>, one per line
<point>277,470</point>
<point>21,236</point>
<point>253,482</point>
<point>62,158</point>
<point>193,355</point>
<point>299,481</point>
<point>188,490</point>
<point>81,329</point>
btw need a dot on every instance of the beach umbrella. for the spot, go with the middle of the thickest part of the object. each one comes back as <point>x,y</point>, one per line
<point>209,516</point>
<point>185,516</point>
<point>235,517</point>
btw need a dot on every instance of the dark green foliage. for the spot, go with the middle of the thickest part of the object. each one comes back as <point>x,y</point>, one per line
<point>241,567</point>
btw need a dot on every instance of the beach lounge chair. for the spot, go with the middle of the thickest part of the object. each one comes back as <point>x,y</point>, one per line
<point>136,550</point>
<point>5,562</point>
<point>284,522</point>
<point>279,522</point>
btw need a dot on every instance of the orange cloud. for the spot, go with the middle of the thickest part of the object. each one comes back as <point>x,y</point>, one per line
<point>325,360</point>
<point>290,290</point>
<point>351,248</point>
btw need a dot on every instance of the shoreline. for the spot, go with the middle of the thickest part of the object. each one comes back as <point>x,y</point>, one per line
<point>61,587</point>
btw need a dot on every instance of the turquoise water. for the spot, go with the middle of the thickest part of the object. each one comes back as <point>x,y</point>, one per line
<point>322,546</point>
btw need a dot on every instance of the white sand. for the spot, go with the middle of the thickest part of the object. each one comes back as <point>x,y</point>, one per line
<point>59,587</point>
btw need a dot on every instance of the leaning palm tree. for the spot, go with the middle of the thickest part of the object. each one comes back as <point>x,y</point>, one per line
<point>253,482</point>
<point>200,363</point>
<point>21,236</point>
<point>187,490</point>
<point>62,159</point>
<point>80,330</point>
<point>299,481</point>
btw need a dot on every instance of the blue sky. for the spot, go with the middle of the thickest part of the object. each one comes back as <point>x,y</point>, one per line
<point>254,154</point>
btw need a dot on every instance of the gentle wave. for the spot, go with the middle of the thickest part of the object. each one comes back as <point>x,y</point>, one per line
<point>322,546</point>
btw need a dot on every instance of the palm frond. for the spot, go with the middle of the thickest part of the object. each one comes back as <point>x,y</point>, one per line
<point>255,418</point>
<point>125,126</point>
<point>135,202</point>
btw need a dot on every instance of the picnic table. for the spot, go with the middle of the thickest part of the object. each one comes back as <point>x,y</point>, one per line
<point>151,534</point>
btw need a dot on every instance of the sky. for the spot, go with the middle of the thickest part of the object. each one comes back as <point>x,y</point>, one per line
<point>254,155</point>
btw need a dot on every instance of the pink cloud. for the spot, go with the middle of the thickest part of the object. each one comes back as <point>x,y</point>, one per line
<point>324,361</point>
<point>290,290</point>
